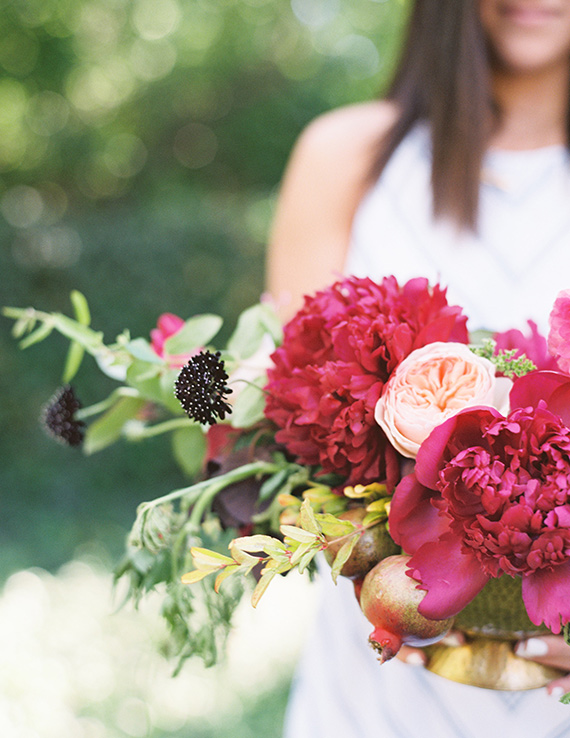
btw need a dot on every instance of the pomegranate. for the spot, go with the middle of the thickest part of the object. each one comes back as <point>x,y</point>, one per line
<point>390,601</point>
<point>373,545</point>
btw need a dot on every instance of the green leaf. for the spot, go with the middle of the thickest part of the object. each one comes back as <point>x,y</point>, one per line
<point>301,552</point>
<point>565,699</point>
<point>204,559</point>
<point>141,349</point>
<point>249,404</point>
<point>298,534</point>
<point>224,575</point>
<point>342,556</point>
<point>262,585</point>
<point>252,325</point>
<point>42,332</point>
<point>257,542</point>
<point>306,559</point>
<point>167,380</point>
<point>75,355</point>
<point>308,520</point>
<point>189,448</point>
<point>191,577</point>
<point>333,527</point>
<point>145,378</point>
<point>195,333</point>
<point>80,307</point>
<point>108,428</point>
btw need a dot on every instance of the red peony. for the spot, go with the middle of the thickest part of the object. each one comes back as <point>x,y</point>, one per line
<point>490,496</point>
<point>337,354</point>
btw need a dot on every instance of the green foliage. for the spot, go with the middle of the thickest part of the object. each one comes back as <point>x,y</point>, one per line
<point>505,361</point>
<point>141,144</point>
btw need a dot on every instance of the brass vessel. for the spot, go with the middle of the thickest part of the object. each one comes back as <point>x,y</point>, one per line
<point>493,623</point>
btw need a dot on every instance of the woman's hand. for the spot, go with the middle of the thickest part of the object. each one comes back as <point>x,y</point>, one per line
<point>418,657</point>
<point>550,650</point>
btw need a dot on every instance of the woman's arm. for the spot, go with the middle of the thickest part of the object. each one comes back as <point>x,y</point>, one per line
<point>325,180</point>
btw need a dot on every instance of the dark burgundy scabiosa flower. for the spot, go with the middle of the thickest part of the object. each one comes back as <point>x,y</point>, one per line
<point>337,354</point>
<point>490,496</point>
<point>201,388</point>
<point>58,417</point>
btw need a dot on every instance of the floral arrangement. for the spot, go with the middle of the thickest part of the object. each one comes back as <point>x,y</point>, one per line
<point>369,428</point>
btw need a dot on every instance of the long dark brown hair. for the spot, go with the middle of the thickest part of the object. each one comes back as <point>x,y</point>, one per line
<point>444,79</point>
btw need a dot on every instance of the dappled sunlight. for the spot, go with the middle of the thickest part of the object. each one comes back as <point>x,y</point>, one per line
<point>73,665</point>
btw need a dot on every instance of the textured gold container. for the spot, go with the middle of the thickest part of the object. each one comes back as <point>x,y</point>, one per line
<point>493,622</point>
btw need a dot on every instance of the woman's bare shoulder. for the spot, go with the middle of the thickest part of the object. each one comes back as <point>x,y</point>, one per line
<point>326,178</point>
<point>349,135</point>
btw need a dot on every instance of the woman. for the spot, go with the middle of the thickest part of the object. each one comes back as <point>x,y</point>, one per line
<point>461,175</point>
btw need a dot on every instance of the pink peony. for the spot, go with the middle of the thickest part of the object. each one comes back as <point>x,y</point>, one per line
<point>432,384</point>
<point>167,325</point>
<point>490,496</point>
<point>559,336</point>
<point>337,354</point>
<point>532,345</point>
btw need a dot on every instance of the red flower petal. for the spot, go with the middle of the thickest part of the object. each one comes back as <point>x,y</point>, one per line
<point>546,595</point>
<point>413,519</point>
<point>451,575</point>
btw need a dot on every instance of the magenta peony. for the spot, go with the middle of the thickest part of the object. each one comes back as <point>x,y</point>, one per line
<point>533,345</point>
<point>559,335</point>
<point>337,354</point>
<point>490,496</point>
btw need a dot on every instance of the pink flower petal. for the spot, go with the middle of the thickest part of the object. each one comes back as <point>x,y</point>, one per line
<point>546,595</point>
<point>461,431</point>
<point>413,519</point>
<point>527,391</point>
<point>559,403</point>
<point>533,345</point>
<point>169,324</point>
<point>430,456</point>
<point>451,576</point>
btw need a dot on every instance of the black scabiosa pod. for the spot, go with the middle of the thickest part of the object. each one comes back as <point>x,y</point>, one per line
<point>58,417</point>
<point>201,388</point>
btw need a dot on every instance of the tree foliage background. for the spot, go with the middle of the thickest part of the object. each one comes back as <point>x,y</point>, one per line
<point>141,147</point>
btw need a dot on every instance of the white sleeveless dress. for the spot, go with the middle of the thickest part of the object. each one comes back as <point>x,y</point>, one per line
<point>511,271</point>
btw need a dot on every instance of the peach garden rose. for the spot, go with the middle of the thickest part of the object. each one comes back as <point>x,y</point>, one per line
<point>432,384</point>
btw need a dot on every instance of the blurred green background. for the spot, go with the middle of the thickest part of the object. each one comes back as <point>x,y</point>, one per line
<point>141,147</point>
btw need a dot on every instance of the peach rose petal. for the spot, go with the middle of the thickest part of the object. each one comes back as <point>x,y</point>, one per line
<point>431,385</point>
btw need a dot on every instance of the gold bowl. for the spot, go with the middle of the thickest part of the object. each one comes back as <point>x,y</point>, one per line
<point>492,623</point>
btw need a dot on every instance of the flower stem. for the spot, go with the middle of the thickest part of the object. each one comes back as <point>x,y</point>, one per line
<point>194,491</point>
<point>157,429</point>
<point>99,407</point>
